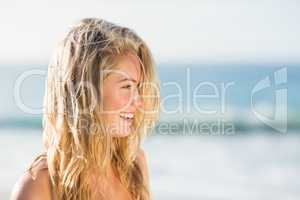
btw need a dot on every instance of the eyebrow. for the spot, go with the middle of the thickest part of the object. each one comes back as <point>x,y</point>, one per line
<point>127,79</point>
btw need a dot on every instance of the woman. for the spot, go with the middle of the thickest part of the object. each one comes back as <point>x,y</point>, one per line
<point>101,100</point>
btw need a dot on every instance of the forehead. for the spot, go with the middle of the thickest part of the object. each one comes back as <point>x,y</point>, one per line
<point>128,66</point>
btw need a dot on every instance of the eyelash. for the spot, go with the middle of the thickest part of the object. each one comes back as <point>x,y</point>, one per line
<point>127,86</point>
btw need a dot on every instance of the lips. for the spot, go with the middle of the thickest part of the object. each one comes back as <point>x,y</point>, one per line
<point>127,120</point>
<point>128,117</point>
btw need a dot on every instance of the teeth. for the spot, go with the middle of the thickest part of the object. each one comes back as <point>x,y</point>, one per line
<point>127,115</point>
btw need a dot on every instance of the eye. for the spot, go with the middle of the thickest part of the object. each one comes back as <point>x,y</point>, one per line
<point>127,86</point>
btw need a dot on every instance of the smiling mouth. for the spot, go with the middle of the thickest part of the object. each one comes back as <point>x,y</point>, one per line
<point>128,117</point>
<point>127,120</point>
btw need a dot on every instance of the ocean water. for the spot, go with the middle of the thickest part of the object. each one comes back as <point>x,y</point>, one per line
<point>255,162</point>
<point>256,166</point>
<point>179,84</point>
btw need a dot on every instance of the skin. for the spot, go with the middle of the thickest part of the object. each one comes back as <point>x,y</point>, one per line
<point>121,95</point>
<point>39,188</point>
<point>117,97</point>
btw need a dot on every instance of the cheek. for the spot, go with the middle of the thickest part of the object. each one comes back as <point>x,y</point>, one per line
<point>116,100</point>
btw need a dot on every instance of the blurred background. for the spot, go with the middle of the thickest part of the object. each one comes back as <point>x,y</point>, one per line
<point>229,74</point>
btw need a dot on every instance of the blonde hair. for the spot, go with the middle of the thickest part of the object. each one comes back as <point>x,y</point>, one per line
<point>73,132</point>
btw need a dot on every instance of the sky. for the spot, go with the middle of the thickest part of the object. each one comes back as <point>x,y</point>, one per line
<point>176,31</point>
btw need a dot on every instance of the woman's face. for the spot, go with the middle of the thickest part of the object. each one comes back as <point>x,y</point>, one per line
<point>121,98</point>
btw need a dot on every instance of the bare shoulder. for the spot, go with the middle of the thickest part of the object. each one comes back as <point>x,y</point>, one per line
<point>141,158</point>
<point>32,188</point>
